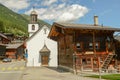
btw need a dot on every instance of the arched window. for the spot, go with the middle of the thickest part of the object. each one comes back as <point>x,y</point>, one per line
<point>33,27</point>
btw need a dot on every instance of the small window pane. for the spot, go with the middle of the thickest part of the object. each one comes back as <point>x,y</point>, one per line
<point>78,45</point>
<point>97,45</point>
<point>91,45</point>
<point>33,27</point>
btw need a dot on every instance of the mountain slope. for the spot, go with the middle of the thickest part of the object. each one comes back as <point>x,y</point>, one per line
<point>12,22</point>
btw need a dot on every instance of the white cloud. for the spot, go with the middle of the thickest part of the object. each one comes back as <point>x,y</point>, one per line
<point>72,13</point>
<point>93,1</point>
<point>48,2</point>
<point>15,5</point>
<point>54,10</point>
<point>61,12</point>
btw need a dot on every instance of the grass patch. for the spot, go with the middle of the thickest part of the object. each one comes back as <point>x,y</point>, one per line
<point>108,76</point>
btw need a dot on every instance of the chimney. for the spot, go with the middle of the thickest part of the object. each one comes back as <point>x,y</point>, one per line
<point>95,20</point>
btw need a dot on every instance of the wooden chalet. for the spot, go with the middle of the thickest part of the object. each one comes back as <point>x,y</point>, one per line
<point>3,41</point>
<point>2,51</point>
<point>15,51</point>
<point>10,36</point>
<point>84,47</point>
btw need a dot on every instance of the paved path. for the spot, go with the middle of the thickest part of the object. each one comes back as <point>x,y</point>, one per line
<point>16,75</point>
<point>51,74</point>
<point>12,70</point>
<point>12,66</point>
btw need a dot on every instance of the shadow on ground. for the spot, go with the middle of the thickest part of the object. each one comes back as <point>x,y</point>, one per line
<point>60,70</point>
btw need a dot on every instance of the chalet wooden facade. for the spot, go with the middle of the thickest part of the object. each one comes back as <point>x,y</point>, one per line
<point>9,47</point>
<point>15,51</point>
<point>84,47</point>
<point>2,51</point>
<point>3,41</point>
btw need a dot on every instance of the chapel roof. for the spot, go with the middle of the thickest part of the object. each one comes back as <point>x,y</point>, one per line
<point>34,12</point>
<point>44,49</point>
<point>40,28</point>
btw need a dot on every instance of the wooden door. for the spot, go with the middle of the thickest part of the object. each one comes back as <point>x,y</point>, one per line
<point>45,60</point>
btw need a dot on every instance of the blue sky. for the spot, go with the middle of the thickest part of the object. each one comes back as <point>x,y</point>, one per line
<point>77,11</point>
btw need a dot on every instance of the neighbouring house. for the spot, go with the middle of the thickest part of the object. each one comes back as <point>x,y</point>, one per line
<point>41,50</point>
<point>84,46</point>
<point>10,36</point>
<point>10,49</point>
<point>15,51</point>
<point>2,51</point>
<point>4,39</point>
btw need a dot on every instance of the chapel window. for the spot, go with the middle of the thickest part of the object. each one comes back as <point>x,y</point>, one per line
<point>33,27</point>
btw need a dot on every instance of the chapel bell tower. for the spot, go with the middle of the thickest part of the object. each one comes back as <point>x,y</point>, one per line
<point>33,25</point>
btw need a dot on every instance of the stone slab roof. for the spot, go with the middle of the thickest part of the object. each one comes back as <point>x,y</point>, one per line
<point>13,46</point>
<point>86,26</point>
<point>44,49</point>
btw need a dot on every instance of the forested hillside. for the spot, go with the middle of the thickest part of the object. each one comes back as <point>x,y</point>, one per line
<point>15,23</point>
<point>12,22</point>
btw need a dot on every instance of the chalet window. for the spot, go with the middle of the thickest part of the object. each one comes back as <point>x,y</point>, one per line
<point>33,27</point>
<point>90,45</point>
<point>78,46</point>
<point>97,45</point>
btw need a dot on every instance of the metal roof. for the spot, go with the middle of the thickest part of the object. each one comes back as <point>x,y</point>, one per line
<point>34,12</point>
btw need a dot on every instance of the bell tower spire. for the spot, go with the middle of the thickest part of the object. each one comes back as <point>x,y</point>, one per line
<point>33,26</point>
<point>33,16</point>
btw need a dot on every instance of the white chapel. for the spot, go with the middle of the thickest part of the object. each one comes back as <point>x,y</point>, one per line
<point>41,50</point>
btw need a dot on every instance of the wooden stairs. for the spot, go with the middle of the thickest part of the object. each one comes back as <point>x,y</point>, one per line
<point>107,61</point>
